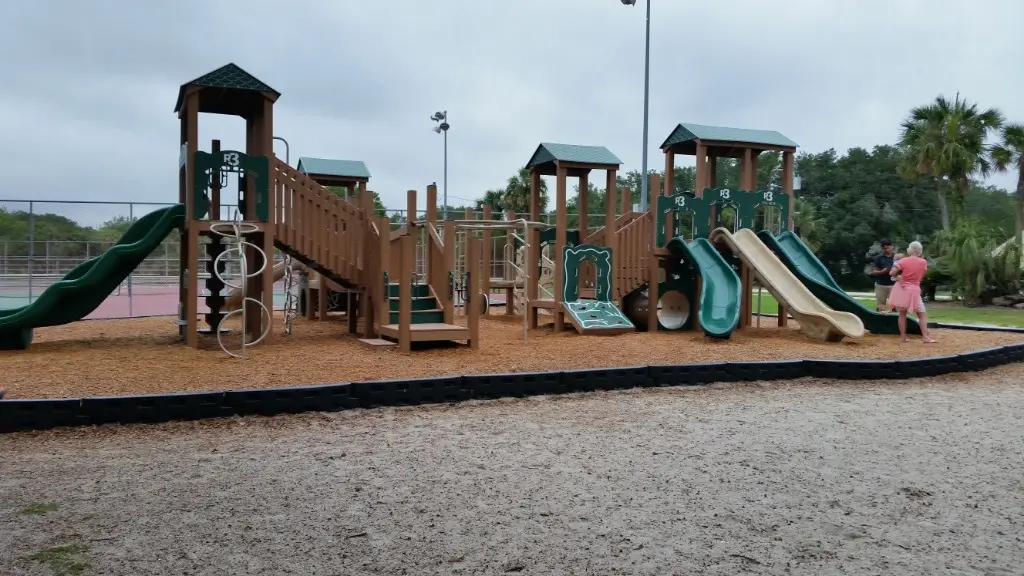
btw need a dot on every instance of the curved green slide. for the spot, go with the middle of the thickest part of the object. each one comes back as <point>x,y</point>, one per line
<point>87,285</point>
<point>802,262</point>
<point>719,309</point>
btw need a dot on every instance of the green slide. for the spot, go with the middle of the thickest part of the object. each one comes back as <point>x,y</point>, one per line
<point>813,274</point>
<point>87,285</point>
<point>719,309</point>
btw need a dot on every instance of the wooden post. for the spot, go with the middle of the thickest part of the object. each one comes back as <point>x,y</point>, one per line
<point>322,300</point>
<point>352,311</point>
<point>787,187</point>
<point>533,253</point>
<point>215,186</point>
<point>587,271</point>
<point>449,266</point>
<point>367,282</point>
<point>265,145</point>
<point>583,221</point>
<point>654,187</point>
<point>610,235</point>
<point>474,294</point>
<point>713,170</point>
<point>434,257</point>
<point>560,239</point>
<point>190,253</point>
<point>485,256</point>
<point>408,257</point>
<point>703,182</point>
<point>670,173</point>
<point>747,174</point>
<point>509,269</point>
<point>702,169</point>
<point>653,266</point>
<point>410,209</point>
<point>755,157</point>
<point>432,203</point>
<point>384,297</point>
<point>409,262</point>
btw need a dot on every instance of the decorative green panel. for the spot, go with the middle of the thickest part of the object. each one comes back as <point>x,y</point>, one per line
<point>572,257</point>
<point>755,199</point>
<point>720,198</point>
<point>211,165</point>
<point>683,203</point>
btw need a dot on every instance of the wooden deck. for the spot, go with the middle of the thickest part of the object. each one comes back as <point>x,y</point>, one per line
<point>545,303</point>
<point>428,332</point>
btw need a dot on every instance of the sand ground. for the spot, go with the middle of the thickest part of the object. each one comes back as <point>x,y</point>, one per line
<point>799,477</point>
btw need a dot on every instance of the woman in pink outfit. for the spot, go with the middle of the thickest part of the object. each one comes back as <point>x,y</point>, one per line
<point>906,294</point>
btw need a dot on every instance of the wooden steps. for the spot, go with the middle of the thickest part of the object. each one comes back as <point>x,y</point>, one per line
<point>425,308</point>
<point>428,332</point>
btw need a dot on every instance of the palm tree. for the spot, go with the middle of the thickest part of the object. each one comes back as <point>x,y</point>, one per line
<point>517,193</point>
<point>945,140</point>
<point>807,222</point>
<point>1009,153</point>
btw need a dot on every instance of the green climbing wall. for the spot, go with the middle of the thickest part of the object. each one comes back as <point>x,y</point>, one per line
<point>600,313</point>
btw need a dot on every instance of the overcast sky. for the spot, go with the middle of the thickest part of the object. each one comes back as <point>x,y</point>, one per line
<point>89,87</point>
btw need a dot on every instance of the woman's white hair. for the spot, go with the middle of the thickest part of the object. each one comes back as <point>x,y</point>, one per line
<point>915,249</point>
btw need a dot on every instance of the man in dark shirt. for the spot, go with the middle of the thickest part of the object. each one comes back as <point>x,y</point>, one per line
<point>883,282</point>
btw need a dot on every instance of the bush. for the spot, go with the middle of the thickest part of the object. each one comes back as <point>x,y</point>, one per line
<point>977,274</point>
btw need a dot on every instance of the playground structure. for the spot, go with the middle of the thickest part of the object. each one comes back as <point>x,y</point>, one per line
<point>639,270</point>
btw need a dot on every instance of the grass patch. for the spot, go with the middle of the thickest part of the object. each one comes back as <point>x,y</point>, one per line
<point>948,312</point>
<point>63,560</point>
<point>39,509</point>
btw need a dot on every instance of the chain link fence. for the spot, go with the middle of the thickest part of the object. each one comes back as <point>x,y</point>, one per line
<point>41,241</point>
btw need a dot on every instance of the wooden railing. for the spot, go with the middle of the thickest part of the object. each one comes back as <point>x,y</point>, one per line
<point>319,225</point>
<point>633,249</point>
<point>440,254</point>
<point>597,236</point>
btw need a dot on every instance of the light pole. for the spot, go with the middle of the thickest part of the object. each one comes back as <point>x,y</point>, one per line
<point>287,150</point>
<point>442,128</point>
<point>647,97</point>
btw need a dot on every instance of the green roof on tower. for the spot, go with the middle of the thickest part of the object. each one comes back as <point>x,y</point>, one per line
<point>354,169</point>
<point>688,133</point>
<point>549,153</point>
<point>229,77</point>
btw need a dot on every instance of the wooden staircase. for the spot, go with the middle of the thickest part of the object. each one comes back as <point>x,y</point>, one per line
<point>327,234</point>
<point>632,254</point>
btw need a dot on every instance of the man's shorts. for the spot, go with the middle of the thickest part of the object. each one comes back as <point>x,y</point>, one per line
<point>882,296</point>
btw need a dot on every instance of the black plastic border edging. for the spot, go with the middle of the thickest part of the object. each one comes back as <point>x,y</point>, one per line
<point>41,414</point>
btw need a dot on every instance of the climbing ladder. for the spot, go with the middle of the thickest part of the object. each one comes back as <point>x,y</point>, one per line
<point>515,259</point>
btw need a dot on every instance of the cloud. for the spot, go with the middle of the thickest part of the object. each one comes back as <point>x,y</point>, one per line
<point>89,87</point>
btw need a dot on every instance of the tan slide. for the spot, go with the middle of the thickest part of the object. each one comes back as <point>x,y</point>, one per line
<point>233,299</point>
<point>816,319</point>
